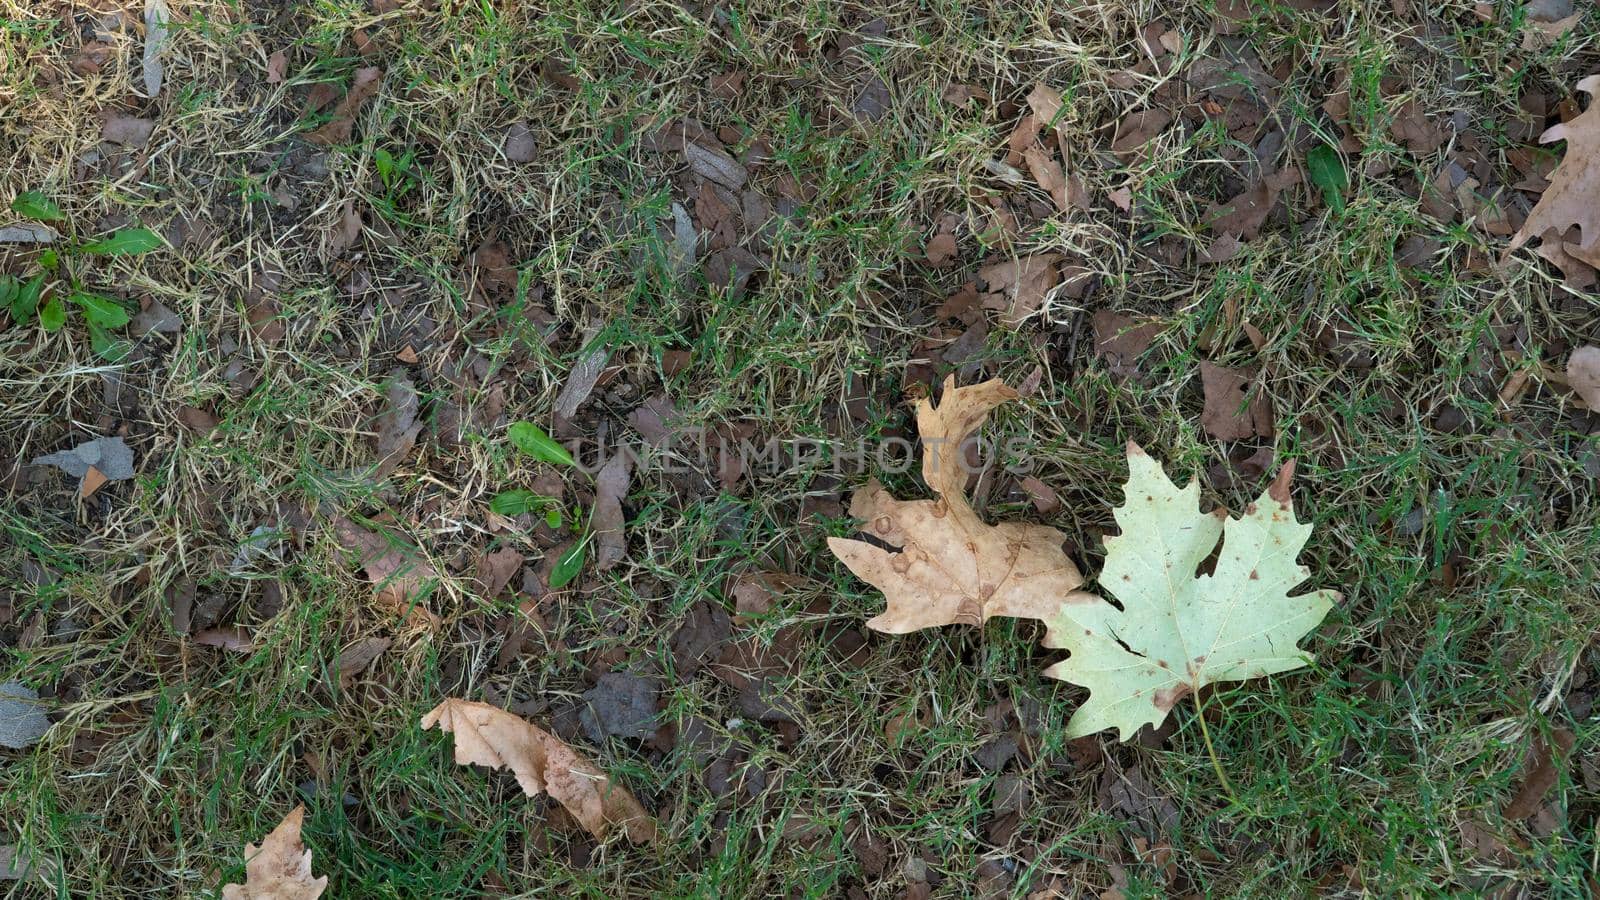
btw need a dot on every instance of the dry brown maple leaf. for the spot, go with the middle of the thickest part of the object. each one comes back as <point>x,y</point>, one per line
<point>489,736</point>
<point>1573,198</point>
<point>947,565</point>
<point>280,869</point>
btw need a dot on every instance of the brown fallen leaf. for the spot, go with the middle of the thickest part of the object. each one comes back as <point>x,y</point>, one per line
<point>1121,341</point>
<point>1583,375</point>
<point>128,131</point>
<point>338,129</point>
<point>236,639</point>
<point>280,869</point>
<point>398,571</point>
<point>715,165</point>
<point>1226,416</point>
<point>941,249</point>
<point>1018,287</point>
<point>1541,771</point>
<point>495,571</point>
<point>1047,172</point>
<point>356,658</point>
<point>1570,201</point>
<point>542,763</point>
<point>277,67</point>
<point>1243,216</point>
<point>947,565</point>
<point>397,426</point>
<point>610,486</point>
<point>1139,128</point>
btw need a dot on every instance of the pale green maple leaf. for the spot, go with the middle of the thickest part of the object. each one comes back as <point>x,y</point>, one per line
<point>1176,631</point>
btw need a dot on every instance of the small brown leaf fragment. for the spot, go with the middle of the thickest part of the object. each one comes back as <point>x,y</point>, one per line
<point>1541,770</point>
<point>1583,375</point>
<point>236,639</point>
<point>356,658</point>
<point>715,165</point>
<point>1226,416</point>
<point>197,420</point>
<point>1045,102</point>
<point>338,129</point>
<point>941,249</point>
<point>92,480</point>
<point>610,487</point>
<point>581,381</point>
<point>1412,127</point>
<point>1121,198</point>
<point>280,869</point>
<point>542,763</point>
<point>945,564</point>
<point>1044,497</point>
<point>1047,172</point>
<point>277,67</point>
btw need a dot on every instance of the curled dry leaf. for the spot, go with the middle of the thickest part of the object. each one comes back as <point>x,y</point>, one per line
<point>1178,631</point>
<point>1583,375</point>
<point>947,565</point>
<point>280,869</point>
<point>339,128</point>
<point>356,658</point>
<point>1573,198</point>
<point>542,763</point>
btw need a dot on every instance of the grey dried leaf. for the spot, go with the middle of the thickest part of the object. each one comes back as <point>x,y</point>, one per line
<point>22,719</point>
<point>129,131</point>
<point>111,456</point>
<point>27,233</point>
<point>156,16</point>
<point>581,381</point>
<point>714,164</point>
<point>611,485</point>
<point>157,318</point>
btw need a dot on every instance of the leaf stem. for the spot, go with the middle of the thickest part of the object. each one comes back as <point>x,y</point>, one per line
<point>1211,750</point>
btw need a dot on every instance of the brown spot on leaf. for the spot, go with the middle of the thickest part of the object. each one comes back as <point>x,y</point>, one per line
<point>1168,697</point>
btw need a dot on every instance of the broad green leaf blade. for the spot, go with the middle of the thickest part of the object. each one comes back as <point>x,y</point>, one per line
<point>517,502</point>
<point>1327,172</point>
<point>127,242</point>
<point>27,299</point>
<point>569,565</point>
<point>9,290</point>
<point>52,315</point>
<point>102,311</point>
<point>107,346</point>
<point>532,440</point>
<point>1176,631</point>
<point>36,206</point>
